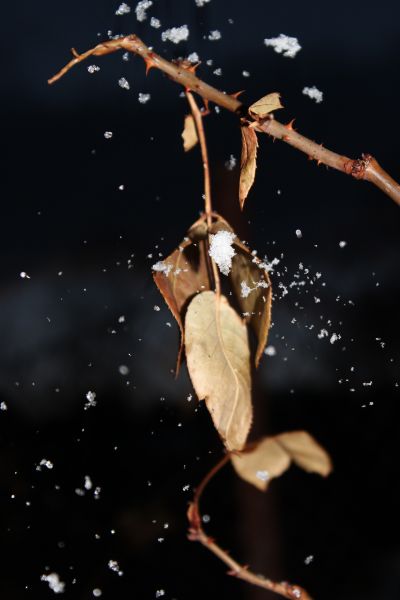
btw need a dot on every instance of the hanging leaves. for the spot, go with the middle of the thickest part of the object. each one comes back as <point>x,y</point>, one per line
<point>252,288</point>
<point>181,275</point>
<point>189,133</point>
<point>272,456</point>
<point>248,162</point>
<point>218,360</point>
<point>266,105</point>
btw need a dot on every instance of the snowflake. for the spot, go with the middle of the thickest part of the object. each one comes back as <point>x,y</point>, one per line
<point>288,46</point>
<point>123,9</point>
<point>176,34</point>
<point>54,582</point>
<point>313,93</point>
<point>221,250</point>
<point>141,8</point>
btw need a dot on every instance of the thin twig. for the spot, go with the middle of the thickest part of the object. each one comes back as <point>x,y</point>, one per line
<point>366,168</point>
<point>197,534</point>
<point>198,119</point>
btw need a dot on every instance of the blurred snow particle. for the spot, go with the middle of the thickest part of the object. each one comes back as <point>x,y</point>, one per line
<point>334,338</point>
<point>93,68</point>
<point>156,23</point>
<point>176,34</point>
<point>108,135</point>
<point>54,582</point>
<point>141,9</point>
<point>263,475</point>
<point>24,275</point>
<point>214,35</point>
<point>44,463</point>
<point>88,483</point>
<point>218,72</point>
<point>114,566</point>
<point>221,250</point>
<point>123,369</point>
<point>121,319</point>
<point>143,98</point>
<point>298,233</point>
<point>288,46</point>
<point>313,93</point>
<point>3,406</point>
<point>156,308</point>
<point>270,351</point>
<point>193,57</point>
<point>124,83</point>
<point>245,74</point>
<point>123,9</point>
<point>308,559</point>
<point>201,3</point>
<point>323,333</point>
<point>160,593</point>
<point>342,244</point>
<point>230,164</point>
<point>162,267</point>
<point>97,592</point>
<point>91,400</point>
<point>206,518</point>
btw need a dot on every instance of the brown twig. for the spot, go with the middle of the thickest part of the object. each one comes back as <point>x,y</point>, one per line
<point>198,119</point>
<point>197,534</point>
<point>366,168</point>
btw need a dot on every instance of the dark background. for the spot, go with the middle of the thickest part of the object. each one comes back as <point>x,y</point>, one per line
<point>62,212</point>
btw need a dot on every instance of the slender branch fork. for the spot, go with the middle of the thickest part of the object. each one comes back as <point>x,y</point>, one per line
<point>366,168</point>
<point>197,534</point>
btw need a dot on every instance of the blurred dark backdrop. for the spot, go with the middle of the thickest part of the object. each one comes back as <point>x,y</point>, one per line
<point>84,320</point>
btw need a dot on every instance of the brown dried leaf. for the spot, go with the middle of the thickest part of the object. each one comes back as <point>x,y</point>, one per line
<point>189,133</point>
<point>248,162</point>
<point>272,456</point>
<point>186,274</point>
<point>218,360</point>
<point>256,306</point>
<point>265,105</point>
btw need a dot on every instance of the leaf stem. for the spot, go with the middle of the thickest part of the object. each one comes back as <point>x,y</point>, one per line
<point>197,534</point>
<point>365,168</point>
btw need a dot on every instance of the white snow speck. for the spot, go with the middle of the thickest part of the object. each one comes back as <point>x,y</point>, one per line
<point>298,233</point>
<point>124,83</point>
<point>176,34</point>
<point>334,338</point>
<point>44,463</point>
<point>245,74</point>
<point>156,308</point>
<point>88,483</point>
<point>270,351</point>
<point>141,9</point>
<point>24,275</point>
<point>123,370</point>
<point>313,93</point>
<point>3,406</point>
<point>108,135</point>
<point>214,35</point>
<point>263,475</point>
<point>342,244</point>
<point>91,400</point>
<point>230,164</point>
<point>123,9</point>
<point>97,592</point>
<point>54,582</point>
<point>193,57</point>
<point>93,68</point>
<point>221,250</point>
<point>308,559</point>
<point>143,98</point>
<point>288,46</point>
<point>114,566</point>
<point>245,290</point>
<point>162,267</point>
<point>156,23</point>
<point>323,333</point>
<point>160,593</point>
<point>201,3</point>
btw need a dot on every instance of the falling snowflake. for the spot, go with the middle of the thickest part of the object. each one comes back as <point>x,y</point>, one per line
<point>54,582</point>
<point>123,9</point>
<point>313,93</point>
<point>288,46</point>
<point>176,34</point>
<point>141,9</point>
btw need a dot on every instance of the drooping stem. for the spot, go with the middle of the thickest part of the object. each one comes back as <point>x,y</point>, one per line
<point>197,534</point>
<point>366,168</point>
<point>198,119</point>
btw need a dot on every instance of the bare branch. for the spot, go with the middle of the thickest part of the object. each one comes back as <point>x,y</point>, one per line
<point>197,534</point>
<point>365,168</point>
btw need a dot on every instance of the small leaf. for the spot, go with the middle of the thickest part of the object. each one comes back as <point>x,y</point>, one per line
<point>218,360</point>
<point>248,163</point>
<point>265,105</point>
<point>249,272</point>
<point>272,456</point>
<point>189,133</point>
<point>184,273</point>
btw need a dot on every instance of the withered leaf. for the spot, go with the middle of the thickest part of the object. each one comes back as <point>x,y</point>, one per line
<point>185,273</point>
<point>248,162</point>
<point>252,288</point>
<point>218,360</point>
<point>272,456</point>
<point>265,105</point>
<point>189,133</point>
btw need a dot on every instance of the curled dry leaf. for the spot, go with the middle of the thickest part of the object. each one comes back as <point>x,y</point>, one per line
<point>189,133</point>
<point>252,288</point>
<point>248,162</point>
<point>265,105</point>
<point>218,360</point>
<point>272,456</point>
<point>185,273</point>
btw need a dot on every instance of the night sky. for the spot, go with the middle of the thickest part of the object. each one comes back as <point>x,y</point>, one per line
<point>85,217</point>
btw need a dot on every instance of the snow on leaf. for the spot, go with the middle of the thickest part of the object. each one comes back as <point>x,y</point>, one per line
<point>221,250</point>
<point>273,455</point>
<point>288,46</point>
<point>189,133</point>
<point>265,105</point>
<point>248,162</point>
<point>218,359</point>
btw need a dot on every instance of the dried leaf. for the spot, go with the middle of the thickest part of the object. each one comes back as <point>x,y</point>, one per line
<point>185,274</point>
<point>272,456</point>
<point>248,276</point>
<point>189,133</point>
<point>265,105</point>
<point>248,163</point>
<point>218,360</point>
